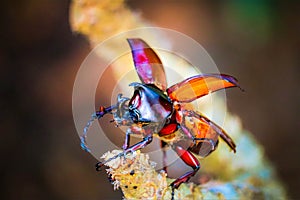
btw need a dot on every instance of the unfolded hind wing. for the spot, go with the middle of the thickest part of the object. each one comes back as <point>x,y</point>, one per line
<point>197,86</point>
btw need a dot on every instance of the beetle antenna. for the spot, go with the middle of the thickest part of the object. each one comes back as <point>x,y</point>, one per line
<point>85,131</point>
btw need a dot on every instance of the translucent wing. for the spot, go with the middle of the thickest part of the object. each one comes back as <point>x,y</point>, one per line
<point>205,133</point>
<point>200,85</point>
<point>147,63</point>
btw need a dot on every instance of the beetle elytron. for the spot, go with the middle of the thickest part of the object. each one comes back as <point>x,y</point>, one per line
<point>157,110</point>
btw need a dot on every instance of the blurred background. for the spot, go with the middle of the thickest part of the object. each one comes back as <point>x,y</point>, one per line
<point>256,41</point>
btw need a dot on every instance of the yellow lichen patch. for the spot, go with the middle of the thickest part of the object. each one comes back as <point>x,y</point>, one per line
<point>136,176</point>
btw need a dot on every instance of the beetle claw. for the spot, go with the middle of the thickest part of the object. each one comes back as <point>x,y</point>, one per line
<point>99,165</point>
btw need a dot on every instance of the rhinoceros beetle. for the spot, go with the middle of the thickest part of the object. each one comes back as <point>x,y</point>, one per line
<point>155,109</point>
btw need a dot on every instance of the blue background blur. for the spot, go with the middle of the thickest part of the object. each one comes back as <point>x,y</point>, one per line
<point>256,41</point>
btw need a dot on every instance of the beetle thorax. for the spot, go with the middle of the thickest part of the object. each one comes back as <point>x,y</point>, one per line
<point>149,105</point>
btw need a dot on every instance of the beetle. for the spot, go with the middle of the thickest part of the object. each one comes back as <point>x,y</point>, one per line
<point>155,109</point>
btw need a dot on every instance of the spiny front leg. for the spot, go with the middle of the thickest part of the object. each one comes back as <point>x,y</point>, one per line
<point>97,115</point>
<point>146,140</point>
<point>191,161</point>
<point>119,111</point>
<point>163,146</point>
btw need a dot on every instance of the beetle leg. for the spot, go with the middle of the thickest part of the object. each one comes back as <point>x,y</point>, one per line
<point>147,140</point>
<point>229,141</point>
<point>127,139</point>
<point>97,115</point>
<point>102,110</point>
<point>187,132</point>
<point>211,141</point>
<point>191,161</point>
<point>163,147</point>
